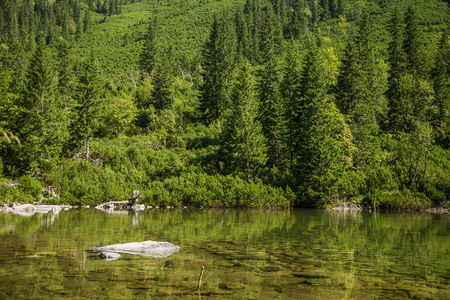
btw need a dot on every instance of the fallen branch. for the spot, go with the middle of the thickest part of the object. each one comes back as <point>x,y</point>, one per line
<point>200,279</point>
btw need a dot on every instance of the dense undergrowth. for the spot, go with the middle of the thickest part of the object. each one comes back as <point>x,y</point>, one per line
<point>176,176</point>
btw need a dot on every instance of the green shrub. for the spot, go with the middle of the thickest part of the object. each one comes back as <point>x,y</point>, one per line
<point>199,189</point>
<point>31,186</point>
<point>398,199</point>
<point>10,194</point>
<point>437,192</point>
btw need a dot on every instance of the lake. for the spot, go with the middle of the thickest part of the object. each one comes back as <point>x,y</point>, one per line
<point>247,254</point>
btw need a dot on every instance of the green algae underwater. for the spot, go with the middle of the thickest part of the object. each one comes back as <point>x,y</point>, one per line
<point>247,254</point>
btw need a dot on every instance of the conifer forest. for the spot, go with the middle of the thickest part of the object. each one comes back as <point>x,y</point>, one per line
<point>226,103</point>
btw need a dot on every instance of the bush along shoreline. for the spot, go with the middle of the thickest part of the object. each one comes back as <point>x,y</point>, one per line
<point>190,189</point>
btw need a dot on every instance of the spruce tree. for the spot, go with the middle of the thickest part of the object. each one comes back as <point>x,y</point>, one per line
<point>271,19</point>
<point>65,26</point>
<point>44,128</point>
<point>2,26</point>
<point>441,86</point>
<point>290,93</point>
<point>271,110</point>
<point>10,100</point>
<point>105,11</point>
<point>212,89</point>
<point>372,72</point>
<point>242,144</point>
<point>313,10</point>
<point>332,8</point>
<point>303,15</point>
<point>218,64</point>
<point>161,97</point>
<point>365,45</point>
<point>293,28</point>
<point>349,85</point>
<point>112,8</point>
<point>340,7</point>
<point>51,28</point>
<point>420,89</point>
<point>11,28</point>
<point>117,7</point>
<point>64,72</point>
<point>412,44</point>
<point>323,140</point>
<point>88,107</point>
<point>252,11</point>
<point>241,32</point>
<point>87,21</point>
<point>312,89</point>
<point>354,101</point>
<point>148,53</point>
<point>78,20</point>
<point>399,106</point>
<point>353,96</point>
<point>282,14</point>
<point>244,47</point>
<point>325,9</point>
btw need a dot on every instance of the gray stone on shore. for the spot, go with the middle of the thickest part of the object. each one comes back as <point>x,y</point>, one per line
<point>27,210</point>
<point>147,248</point>
<point>108,256</point>
<point>138,207</point>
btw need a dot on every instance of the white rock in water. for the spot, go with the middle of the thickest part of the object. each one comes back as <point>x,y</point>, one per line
<point>139,207</point>
<point>147,248</point>
<point>25,208</point>
<point>108,256</point>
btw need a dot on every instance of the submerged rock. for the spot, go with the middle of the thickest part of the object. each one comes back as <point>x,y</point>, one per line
<point>108,256</point>
<point>147,248</point>
<point>138,207</point>
<point>48,208</point>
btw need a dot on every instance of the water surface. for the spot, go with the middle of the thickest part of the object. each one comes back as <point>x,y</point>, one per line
<point>247,254</point>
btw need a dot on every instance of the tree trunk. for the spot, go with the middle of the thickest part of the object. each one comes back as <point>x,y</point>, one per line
<point>87,148</point>
<point>426,164</point>
<point>248,168</point>
<point>416,172</point>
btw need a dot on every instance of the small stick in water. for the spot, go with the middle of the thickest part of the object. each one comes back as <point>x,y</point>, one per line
<point>200,279</point>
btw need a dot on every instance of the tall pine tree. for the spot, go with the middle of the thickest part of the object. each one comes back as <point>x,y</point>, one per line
<point>290,93</point>
<point>148,54</point>
<point>354,101</point>
<point>161,97</point>
<point>399,113</point>
<point>242,145</point>
<point>441,85</point>
<point>64,71</point>
<point>323,140</point>
<point>372,71</point>
<point>219,56</point>
<point>412,44</point>
<point>353,96</point>
<point>88,105</point>
<point>271,110</point>
<point>44,127</point>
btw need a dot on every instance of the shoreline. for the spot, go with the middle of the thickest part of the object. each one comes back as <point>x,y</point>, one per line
<point>30,209</point>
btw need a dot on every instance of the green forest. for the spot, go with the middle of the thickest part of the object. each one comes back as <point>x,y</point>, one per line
<point>226,103</point>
